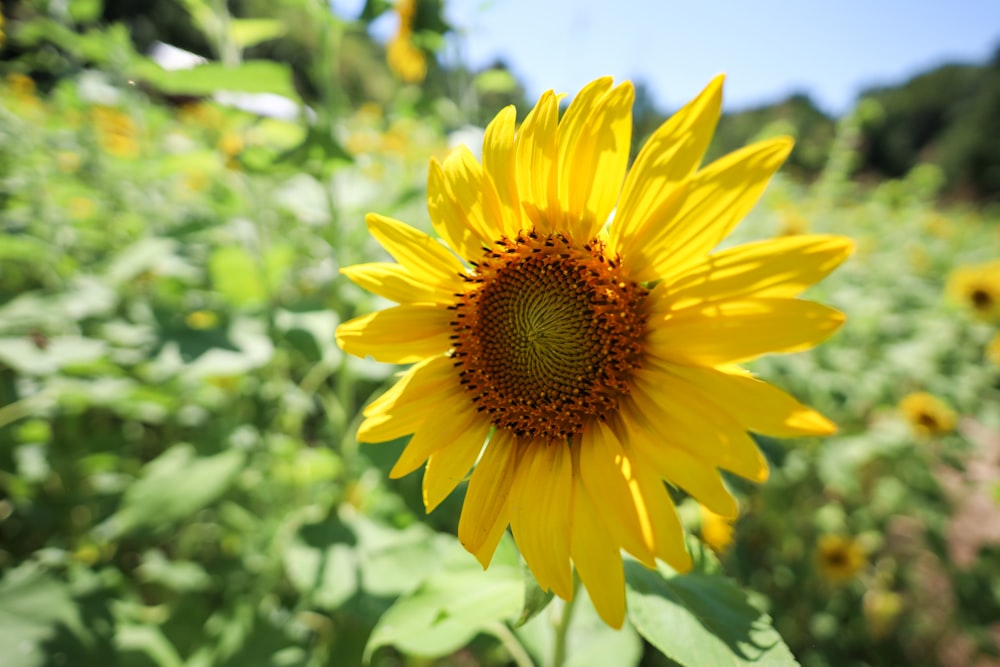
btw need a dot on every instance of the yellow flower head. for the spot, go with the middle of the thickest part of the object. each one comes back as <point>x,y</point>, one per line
<point>404,57</point>
<point>978,287</point>
<point>840,558</point>
<point>993,349</point>
<point>593,361</point>
<point>927,414</point>
<point>716,530</point>
<point>116,131</point>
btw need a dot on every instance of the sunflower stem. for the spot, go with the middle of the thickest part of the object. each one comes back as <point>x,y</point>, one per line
<point>562,628</point>
<point>513,646</point>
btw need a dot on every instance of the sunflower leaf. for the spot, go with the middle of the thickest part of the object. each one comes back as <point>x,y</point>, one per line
<point>699,619</point>
<point>535,599</point>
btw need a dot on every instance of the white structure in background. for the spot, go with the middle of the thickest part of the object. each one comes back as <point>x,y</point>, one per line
<point>268,105</point>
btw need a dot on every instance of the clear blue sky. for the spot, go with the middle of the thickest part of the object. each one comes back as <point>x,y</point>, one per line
<point>768,48</point>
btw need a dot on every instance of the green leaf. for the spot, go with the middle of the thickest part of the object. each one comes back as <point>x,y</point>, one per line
<point>394,561</point>
<point>450,608</point>
<point>535,599</point>
<point>322,563</point>
<point>700,619</point>
<point>252,76</point>
<point>173,487</point>
<point>247,32</point>
<point>35,608</point>
<point>236,275</point>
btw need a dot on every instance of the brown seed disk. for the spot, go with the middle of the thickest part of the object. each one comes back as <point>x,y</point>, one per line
<point>548,335</point>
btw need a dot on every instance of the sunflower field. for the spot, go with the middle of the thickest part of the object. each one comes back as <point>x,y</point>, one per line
<point>186,361</point>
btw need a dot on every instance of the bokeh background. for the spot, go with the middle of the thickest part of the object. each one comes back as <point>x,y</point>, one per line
<point>180,181</point>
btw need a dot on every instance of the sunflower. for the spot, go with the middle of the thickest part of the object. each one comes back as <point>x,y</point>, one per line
<point>978,287</point>
<point>404,57</point>
<point>927,414</point>
<point>716,530</point>
<point>593,360</point>
<point>840,558</point>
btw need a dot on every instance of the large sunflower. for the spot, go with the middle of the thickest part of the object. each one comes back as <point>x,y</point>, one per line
<point>593,361</point>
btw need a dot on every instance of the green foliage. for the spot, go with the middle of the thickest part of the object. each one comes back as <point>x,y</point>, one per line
<point>180,485</point>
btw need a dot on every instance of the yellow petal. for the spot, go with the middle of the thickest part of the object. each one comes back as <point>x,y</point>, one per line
<point>462,204</point>
<point>447,467</point>
<point>757,405</point>
<point>597,559</point>
<point>776,268</point>
<point>440,429</point>
<point>595,137</point>
<point>736,331</point>
<point>405,406</point>
<point>717,198</point>
<point>541,502</point>
<point>670,155</point>
<point>682,469</point>
<point>606,472</point>
<point>425,258</point>
<point>537,163</point>
<point>668,535</point>
<point>396,283</point>
<point>398,335</point>
<point>498,163</point>
<point>702,430</point>
<point>485,512</point>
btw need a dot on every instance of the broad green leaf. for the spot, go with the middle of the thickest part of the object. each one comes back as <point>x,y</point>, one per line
<point>35,608</point>
<point>252,76</point>
<point>700,619</point>
<point>450,608</point>
<point>173,487</point>
<point>590,642</point>
<point>322,563</point>
<point>247,32</point>
<point>147,640</point>
<point>37,357</point>
<point>236,275</point>
<point>396,561</point>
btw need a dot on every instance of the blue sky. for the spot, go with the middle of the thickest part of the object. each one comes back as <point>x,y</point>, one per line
<point>767,48</point>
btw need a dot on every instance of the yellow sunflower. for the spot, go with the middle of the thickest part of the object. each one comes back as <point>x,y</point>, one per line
<point>404,57</point>
<point>927,414</point>
<point>716,530</point>
<point>593,361</point>
<point>840,558</point>
<point>978,287</point>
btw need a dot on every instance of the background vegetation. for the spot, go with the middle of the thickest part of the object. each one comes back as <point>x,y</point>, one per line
<point>179,482</point>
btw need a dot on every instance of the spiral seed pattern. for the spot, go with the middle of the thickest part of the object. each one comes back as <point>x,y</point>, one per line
<point>548,335</point>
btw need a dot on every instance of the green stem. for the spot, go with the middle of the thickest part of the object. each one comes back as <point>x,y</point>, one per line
<point>562,629</point>
<point>513,646</point>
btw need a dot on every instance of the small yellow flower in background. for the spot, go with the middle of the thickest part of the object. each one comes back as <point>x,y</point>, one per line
<point>993,349</point>
<point>230,144</point>
<point>927,414</point>
<point>881,609</point>
<point>592,361</point>
<point>840,558</point>
<point>68,161</point>
<point>22,85</point>
<point>202,319</point>
<point>405,58</point>
<point>81,208</point>
<point>978,288</point>
<point>716,530</point>
<point>116,131</point>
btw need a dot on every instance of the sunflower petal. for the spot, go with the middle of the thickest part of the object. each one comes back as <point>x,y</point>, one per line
<point>396,283</point>
<point>776,268</point>
<point>398,335</point>
<point>441,429</point>
<point>537,163</point>
<point>594,140</point>
<point>737,331</point>
<point>597,559</point>
<point>425,258</point>
<point>682,469</point>
<point>405,406</point>
<point>540,514</point>
<point>606,472</point>
<point>498,163</point>
<point>757,405</point>
<point>485,513</point>
<point>448,466</point>
<point>717,198</point>
<point>462,203</point>
<point>670,155</point>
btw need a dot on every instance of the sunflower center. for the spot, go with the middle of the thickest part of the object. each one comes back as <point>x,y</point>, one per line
<point>549,334</point>
<point>981,299</point>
